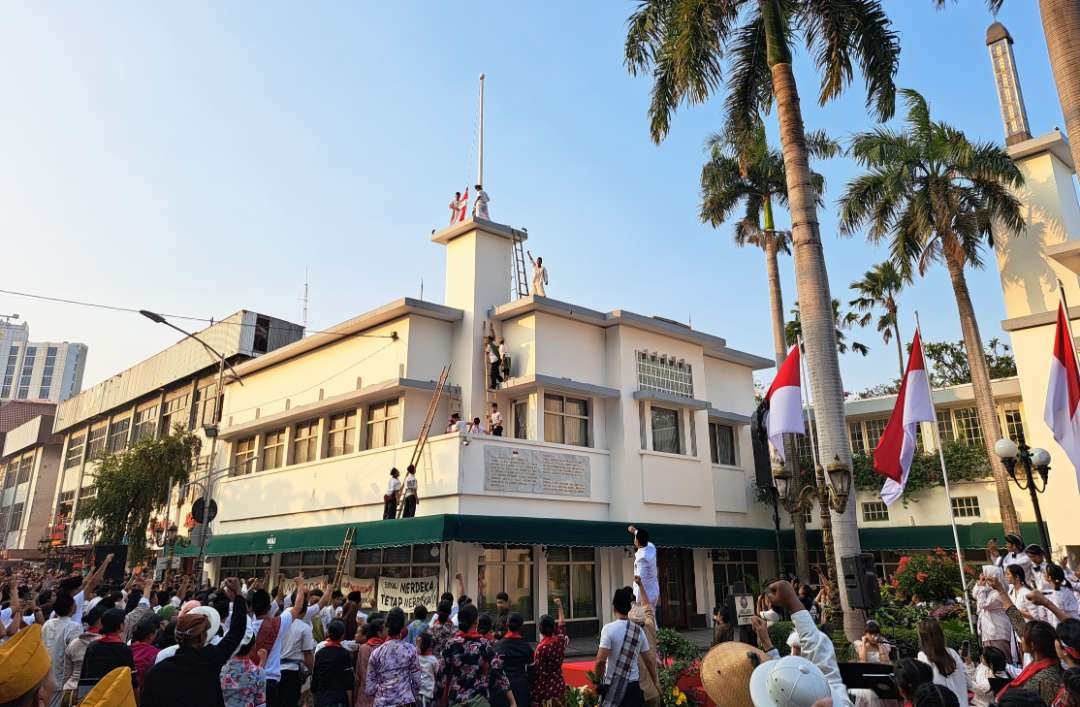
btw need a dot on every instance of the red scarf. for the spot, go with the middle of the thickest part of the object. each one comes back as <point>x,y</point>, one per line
<point>331,643</point>
<point>111,638</point>
<point>1028,673</point>
<point>375,642</point>
<point>512,634</point>
<point>474,634</point>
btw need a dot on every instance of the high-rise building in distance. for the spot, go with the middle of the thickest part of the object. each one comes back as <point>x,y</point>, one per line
<point>38,370</point>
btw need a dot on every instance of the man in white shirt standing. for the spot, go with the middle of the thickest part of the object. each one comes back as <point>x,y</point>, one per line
<point>622,643</point>
<point>1014,556</point>
<point>480,206</point>
<point>393,492</point>
<point>412,493</point>
<point>297,648</point>
<point>645,567</point>
<point>540,276</point>
<point>495,420</point>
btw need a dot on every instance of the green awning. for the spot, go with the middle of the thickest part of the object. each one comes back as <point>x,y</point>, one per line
<point>481,529</point>
<point>972,536</point>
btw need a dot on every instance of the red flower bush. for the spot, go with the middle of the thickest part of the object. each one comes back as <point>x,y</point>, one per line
<point>932,577</point>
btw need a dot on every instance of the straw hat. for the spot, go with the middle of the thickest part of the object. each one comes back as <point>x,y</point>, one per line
<point>725,673</point>
<point>113,690</point>
<point>24,662</point>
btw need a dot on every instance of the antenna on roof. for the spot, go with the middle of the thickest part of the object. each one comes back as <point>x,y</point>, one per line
<point>305,298</point>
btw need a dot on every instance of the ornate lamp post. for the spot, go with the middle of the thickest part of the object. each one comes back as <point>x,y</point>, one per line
<point>170,545</point>
<point>1037,459</point>
<point>832,494</point>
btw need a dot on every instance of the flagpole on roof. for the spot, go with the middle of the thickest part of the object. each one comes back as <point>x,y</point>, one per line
<point>948,492</point>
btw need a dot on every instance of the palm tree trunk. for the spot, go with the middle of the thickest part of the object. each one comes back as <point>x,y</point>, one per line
<point>815,298</point>
<point>984,396</point>
<point>776,305</point>
<point>1061,25</point>
<point>899,344</point>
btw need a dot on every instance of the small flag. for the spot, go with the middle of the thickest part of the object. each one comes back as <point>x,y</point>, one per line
<point>463,205</point>
<point>783,403</point>
<point>895,450</point>
<point>1063,393</point>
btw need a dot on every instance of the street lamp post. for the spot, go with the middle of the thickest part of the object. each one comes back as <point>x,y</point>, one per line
<point>170,543</point>
<point>1037,459</point>
<point>829,494</point>
<point>211,430</point>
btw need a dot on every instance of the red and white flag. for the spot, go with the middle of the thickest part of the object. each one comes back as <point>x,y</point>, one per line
<point>784,403</point>
<point>463,205</point>
<point>1063,393</point>
<point>895,450</point>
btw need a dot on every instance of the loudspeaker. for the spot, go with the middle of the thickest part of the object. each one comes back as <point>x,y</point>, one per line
<point>760,443</point>
<point>115,571</point>
<point>860,581</point>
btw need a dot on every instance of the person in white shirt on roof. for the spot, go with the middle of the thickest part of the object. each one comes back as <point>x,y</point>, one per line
<point>455,424</point>
<point>495,420</point>
<point>393,491</point>
<point>412,493</point>
<point>645,567</point>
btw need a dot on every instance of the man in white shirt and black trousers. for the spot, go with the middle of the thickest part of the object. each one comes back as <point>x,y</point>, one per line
<point>645,567</point>
<point>393,491</point>
<point>617,667</point>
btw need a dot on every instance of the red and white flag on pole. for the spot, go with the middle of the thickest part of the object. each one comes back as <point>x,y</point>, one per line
<point>1063,393</point>
<point>895,450</point>
<point>463,205</point>
<point>784,403</point>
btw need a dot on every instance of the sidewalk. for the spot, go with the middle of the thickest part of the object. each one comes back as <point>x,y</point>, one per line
<point>586,647</point>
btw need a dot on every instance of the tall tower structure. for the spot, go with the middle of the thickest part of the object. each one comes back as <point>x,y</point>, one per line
<point>1011,99</point>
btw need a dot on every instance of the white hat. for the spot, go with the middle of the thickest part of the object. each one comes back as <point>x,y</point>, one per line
<point>215,621</point>
<point>789,682</point>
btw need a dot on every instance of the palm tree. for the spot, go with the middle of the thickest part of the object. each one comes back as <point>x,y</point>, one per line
<point>682,43</point>
<point>1061,26</point>
<point>878,289</point>
<point>747,171</point>
<point>933,195</point>
<point>844,320</point>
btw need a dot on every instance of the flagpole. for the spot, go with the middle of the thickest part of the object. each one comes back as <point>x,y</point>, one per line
<point>1068,323</point>
<point>948,492</point>
<point>809,407</point>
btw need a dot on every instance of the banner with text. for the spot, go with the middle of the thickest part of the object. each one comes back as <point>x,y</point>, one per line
<point>408,593</point>
<point>364,585</point>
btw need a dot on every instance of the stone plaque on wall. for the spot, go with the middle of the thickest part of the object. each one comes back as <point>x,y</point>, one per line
<point>534,471</point>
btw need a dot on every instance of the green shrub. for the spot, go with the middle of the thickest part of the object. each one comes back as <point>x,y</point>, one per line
<point>671,644</point>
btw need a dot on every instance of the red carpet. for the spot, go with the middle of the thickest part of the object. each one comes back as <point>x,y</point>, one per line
<point>574,672</point>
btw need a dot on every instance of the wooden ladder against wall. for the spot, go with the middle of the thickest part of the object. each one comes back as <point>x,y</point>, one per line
<point>425,429</point>
<point>343,557</point>
<point>521,282</point>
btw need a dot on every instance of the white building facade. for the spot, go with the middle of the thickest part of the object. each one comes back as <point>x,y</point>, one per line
<point>49,371</point>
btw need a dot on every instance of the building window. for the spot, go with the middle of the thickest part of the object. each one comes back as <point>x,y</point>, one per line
<point>384,424</point>
<point>145,424</point>
<point>74,450</point>
<point>571,576</point>
<point>261,340</point>
<point>26,465</point>
<point>313,563</point>
<point>89,491</point>
<point>11,475</point>
<point>95,445</point>
<point>64,507</point>
<point>885,563</point>
<point>665,374</point>
<point>874,429</point>
<point>9,372</point>
<point>27,370</point>
<point>874,511</point>
<point>521,418</point>
<point>506,568</point>
<point>207,399</point>
<point>118,434</point>
<point>305,444</point>
<point>175,413</point>
<point>965,507</point>
<point>566,420</point>
<point>666,435</point>
<point>244,456</point>
<point>731,566</point>
<point>968,429</point>
<point>16,518</point>
<point>803,451</point>
<point>246,566</point>
<point>858,445</point>
<point>808,513</point>
<point>1014,424</point>
<point>273,450</point>
<point>722,444</point>
<point>342,435</point>
<point>945,427</point>
<point>399,562</point>
<point>47,373</point>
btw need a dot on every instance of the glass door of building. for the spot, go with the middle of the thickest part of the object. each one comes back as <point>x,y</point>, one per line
<point>678,600</point>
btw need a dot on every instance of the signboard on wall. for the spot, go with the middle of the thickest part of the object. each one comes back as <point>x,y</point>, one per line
<point>744,609</point>
<point>512,470</point>
<point>364,585</point>
<point>407,593</point>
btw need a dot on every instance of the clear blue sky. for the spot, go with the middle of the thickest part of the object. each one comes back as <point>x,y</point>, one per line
<point>194,157</point>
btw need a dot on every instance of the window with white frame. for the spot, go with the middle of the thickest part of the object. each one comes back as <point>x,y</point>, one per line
<point>175,412</point>
<point>145,424</point>
<point>506,568</point>
<point>384,424</point>
<point>273,450</point>
<point>874,511</point>
<point>27,369</point>
<point>722,444</point>
<point>968,429</point>
<point>666,430</point>
<point>313,563</point>
<point>730,567</point>
<point>16,518</point>
<point>341,435</point>
<point>11,475</point>
<point>47,373</point>
<point>664,373</point>
<point>305,443</point>
<point>95,445</point>
<point>118,434</point>
<point>1014,424</point>
<point>874,429</point>
<point>945,427</point>
<point>965,507</point>
<point>74,450</point>
<point>566,420</point>
<point>521,418</point>
<point>26,465</point>
<point>571,576</point>
<point>244,456</point>
<point>9,372</point>
<point>858,445</point>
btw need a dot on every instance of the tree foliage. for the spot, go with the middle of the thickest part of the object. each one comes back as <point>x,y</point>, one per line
<point>951,367</point>
<point>965,462</point>
<point>133,484</point>
<point>844,321</point>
